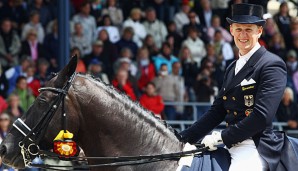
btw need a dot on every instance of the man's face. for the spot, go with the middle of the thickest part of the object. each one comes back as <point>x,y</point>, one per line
<point>128,35</point>
<point>4,123</point>
<point>14,100</point>
<point>30,71</point>
<point>216,22</point>
<point>210,50</point>
<point>6,26</point>
<point>96,68</point>
<point>43,68</point>
<point>32,37</point>
<point>97,49</point>
<point>217,37</point>
<point>86,9</point>
<point>25,64</point>
<point>186,9</point>
<point>103,35</point>
<point>245,36</point>
<point>193,34</point>
<point>112,2</point>
<point>166,50</point>
<point>176,68</point>
<point>35,18</point>
<point>151,15</point>
<point>122,75</point>
<point>143,54</point>
<point>22,84</point>
<point>136,16</point>
<point>192,17</point>
<point>150,90</point>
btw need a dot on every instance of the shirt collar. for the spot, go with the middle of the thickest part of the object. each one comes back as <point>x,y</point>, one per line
<point>250,53</point>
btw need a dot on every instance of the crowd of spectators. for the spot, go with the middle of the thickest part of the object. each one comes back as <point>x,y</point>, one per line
<point>154,51</point>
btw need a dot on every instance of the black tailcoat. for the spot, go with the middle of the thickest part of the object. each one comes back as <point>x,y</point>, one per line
<point>249,110</point>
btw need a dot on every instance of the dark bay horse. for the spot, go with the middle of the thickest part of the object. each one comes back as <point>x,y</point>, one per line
<point>103,121</point>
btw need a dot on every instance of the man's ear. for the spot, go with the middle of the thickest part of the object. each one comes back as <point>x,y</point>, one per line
<point>260,30</point>
<point>231,30</point>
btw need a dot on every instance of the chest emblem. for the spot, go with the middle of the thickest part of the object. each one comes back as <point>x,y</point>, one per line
<point>248,100</point>
<point>247,88</point>
<point>248,112</point>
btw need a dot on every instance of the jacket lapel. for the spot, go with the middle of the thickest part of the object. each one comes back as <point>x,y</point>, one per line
<point>230,74</point>
<point>233,80</point>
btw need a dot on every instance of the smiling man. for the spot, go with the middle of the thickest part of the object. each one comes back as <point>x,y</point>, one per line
<point>251,92</point>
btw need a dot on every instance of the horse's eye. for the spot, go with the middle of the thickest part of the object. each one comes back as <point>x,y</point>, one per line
<point>42,101</point>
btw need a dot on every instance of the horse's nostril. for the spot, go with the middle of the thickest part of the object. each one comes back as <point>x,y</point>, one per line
<point>2,150</point>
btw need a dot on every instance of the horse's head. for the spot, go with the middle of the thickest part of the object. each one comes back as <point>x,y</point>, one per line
<point>36,117</point>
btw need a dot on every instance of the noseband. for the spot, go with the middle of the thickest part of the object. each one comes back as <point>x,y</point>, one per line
<point>29,145</point>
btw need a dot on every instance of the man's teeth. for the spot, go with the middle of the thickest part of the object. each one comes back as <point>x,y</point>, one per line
<point>243,41</point>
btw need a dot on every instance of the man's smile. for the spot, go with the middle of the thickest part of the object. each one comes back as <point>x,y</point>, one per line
<point>243,41</point>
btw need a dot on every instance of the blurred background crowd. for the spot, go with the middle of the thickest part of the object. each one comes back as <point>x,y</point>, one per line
<point>155,51</point>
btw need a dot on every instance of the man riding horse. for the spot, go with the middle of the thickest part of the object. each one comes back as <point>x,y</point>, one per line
<point>252,90</point>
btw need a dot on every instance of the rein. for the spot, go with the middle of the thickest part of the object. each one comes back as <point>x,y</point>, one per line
<point>122,160</point>
<point>30,143</point>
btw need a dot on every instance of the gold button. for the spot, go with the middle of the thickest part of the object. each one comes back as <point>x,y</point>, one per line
<point>234,98</point>
<point>224,97</point>
<point>228,111</point>
<point>235,113</point>
<point>227,124</point>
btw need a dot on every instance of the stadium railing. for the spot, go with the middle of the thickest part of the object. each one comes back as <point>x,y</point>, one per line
<point>183,124</point>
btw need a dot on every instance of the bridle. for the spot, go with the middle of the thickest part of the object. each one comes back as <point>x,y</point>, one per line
<point>32,136</point>
<point>29,144</point>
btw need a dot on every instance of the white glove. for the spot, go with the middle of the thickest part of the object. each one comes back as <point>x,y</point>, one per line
<point>212,140</point>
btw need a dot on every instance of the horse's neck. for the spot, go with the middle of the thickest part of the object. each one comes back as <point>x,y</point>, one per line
<point>113,126</point>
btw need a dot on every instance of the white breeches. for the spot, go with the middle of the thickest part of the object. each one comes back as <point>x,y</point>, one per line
<point>245,157</point>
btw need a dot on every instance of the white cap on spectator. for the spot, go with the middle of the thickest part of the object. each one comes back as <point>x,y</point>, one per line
<point>121,60</point>
<point>292,53</point>
<point>4,116</point>
<point>98,43</point>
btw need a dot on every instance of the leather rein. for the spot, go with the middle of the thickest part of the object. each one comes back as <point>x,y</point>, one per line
<point>30,143</point>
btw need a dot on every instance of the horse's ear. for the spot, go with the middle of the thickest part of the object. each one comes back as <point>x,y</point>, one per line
<point>66,72</point>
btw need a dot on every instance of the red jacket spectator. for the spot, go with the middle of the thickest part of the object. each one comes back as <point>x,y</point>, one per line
<point>152,103</point>
<point>147,75</point>
<point>3,105</point>
<point>34,85</point>
<point>81,67</point>
<point>127,89</point>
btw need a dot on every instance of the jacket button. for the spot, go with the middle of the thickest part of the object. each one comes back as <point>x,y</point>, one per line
<point>233,98</point>
<point>227,124</point>
<point>235,113</point>
<point>228,111</point>
<point>224,97</point>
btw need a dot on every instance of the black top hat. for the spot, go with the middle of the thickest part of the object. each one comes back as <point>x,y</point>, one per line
<point>247,14</point>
